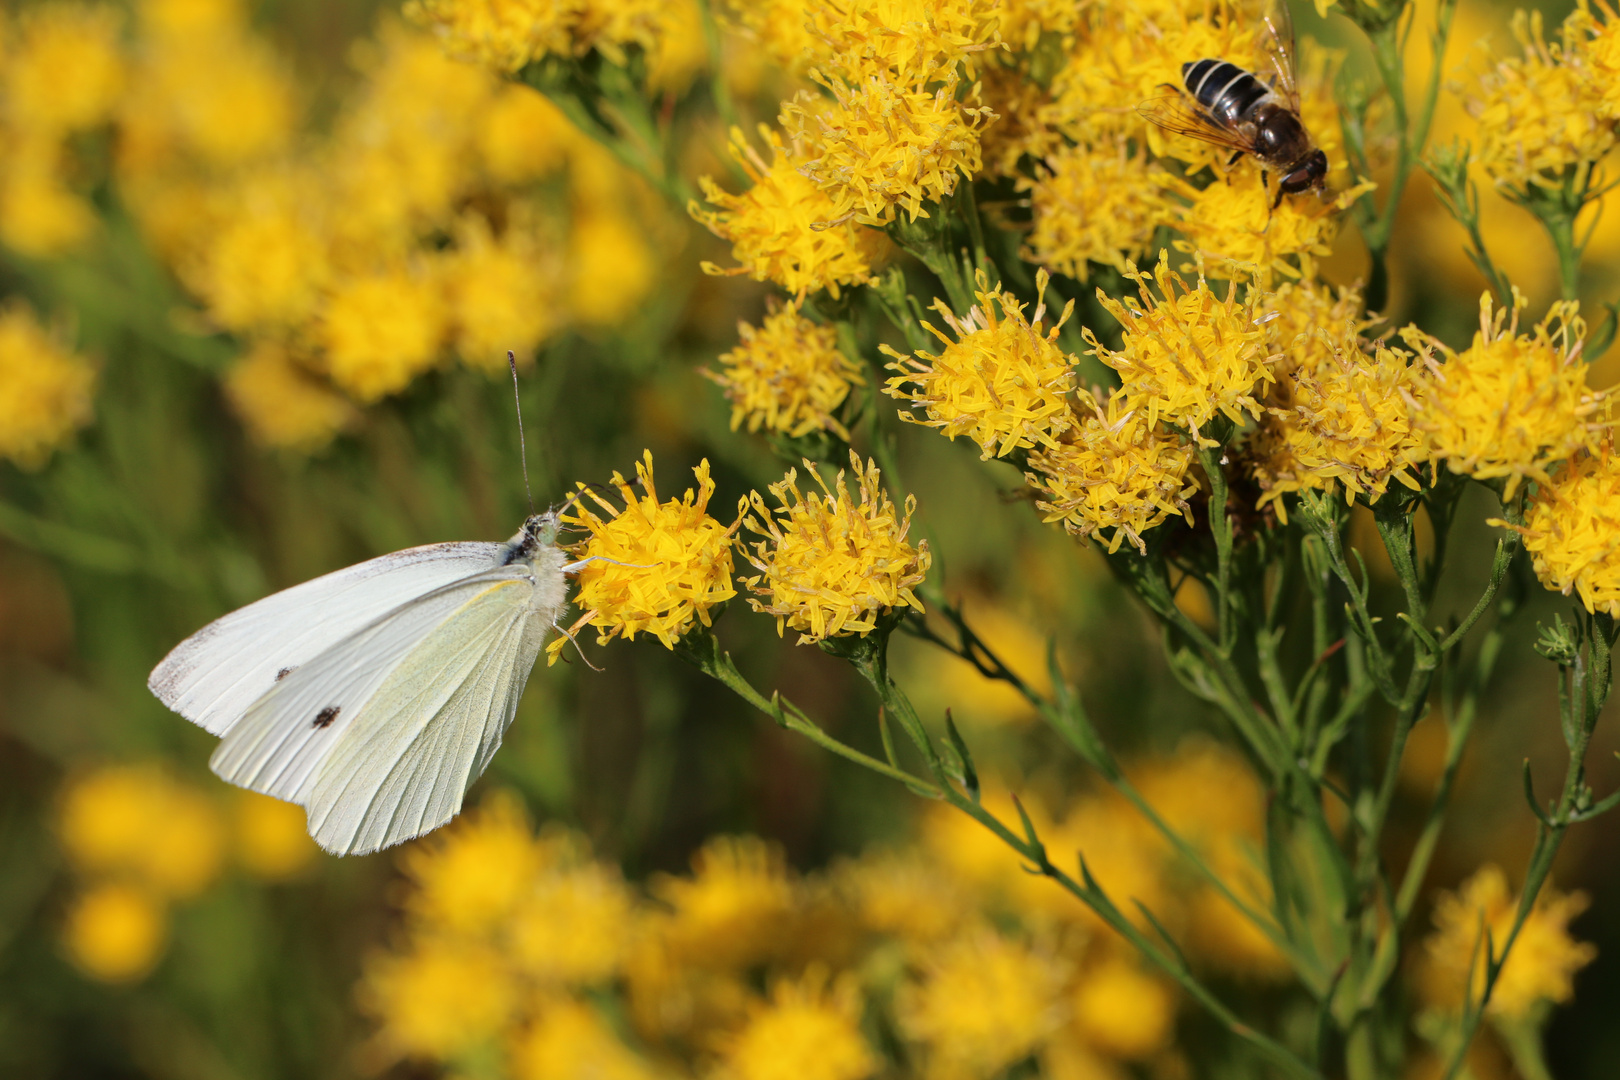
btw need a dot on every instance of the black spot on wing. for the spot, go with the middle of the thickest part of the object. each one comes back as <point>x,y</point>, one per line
<point>283,673</point>
<point>325,717</point>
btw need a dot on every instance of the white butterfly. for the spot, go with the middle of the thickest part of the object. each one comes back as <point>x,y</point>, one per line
<point>374,696</point>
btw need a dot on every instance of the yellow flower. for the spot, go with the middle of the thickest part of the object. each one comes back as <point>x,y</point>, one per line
<point>831,566</point>
<point>1600,58</point>
<point>880,145</point>
<point>807,1031</point>
<point>1095,205</point>
<point>777,28</point>
<point>915,41</point>
<point>469,877</point>
<point>1509,405</point>
<point>779,229</point>
<point>570,1039</point>
<point>265,268</point>
<point>381,331</point>
<point>733,909</point>
<point>1540,114</point>
<point>1187,356</point>
<point>272,837</point>
<point>1541,967</point>
<point>787,376</point>
<point>522,136</point>
<point>501,292</point>
<point>1004,382</point>
<point>440,998</point>
<point>680,48</point>
<point>1572,530</point>
<point>45,390</point>
<point>982,1003</point>
<point>572,924</point>
<point>612,266</point>
<point>660,566</point>
<point>115,932</point>
<point>1122,1011</point>
<point>1217,932</point>
<point>64,69</point>
<point>282,405</point>
<point>40,215</point>
<point>502,34</point>
<point>1024,21</point>
<point>1116,470</point>
<point>902,894</point>
<point>137,821</point>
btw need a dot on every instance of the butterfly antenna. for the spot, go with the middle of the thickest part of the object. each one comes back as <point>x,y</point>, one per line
<point>523,449</point>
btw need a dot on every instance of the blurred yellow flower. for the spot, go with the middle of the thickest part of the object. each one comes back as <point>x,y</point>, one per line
<point>380,331</point>
<point>271,837</point>
<point>1095,204</point>
<point>611,265</point>
<point>439,998</point>
<point>914,41</point>
<point>468,878</point>
<point>570,1039</point>
<point>1510,405</point>
<point>1572,530</point>
<point>1541,967</point>
<point>809,1030</point>
<point>573,923</point>
<point>115,932</point>
<point>777,28</point>
<point>787,376</point>
<point>829,565</point>
<point>1187,356</point>
<point>1217,932</point>
<point>283,405</point>
<point>733,909</point>
<point>780,229</point>
<point>522,136</point>
<point>501,292</point>
<point>45,389</point>
<point>680,48</point>
<point>1115,475</point>
<point>1004,382</point>
<point>502,34</point>
<point>266,267</point>
<point>903,894</point>
<point>1600,56</point>
<point>138,821</point>
<point>40,216</point>
<point>61,66</point>
<point>882,146</point>
<point>661,566</point>
<point>1123,1011</point>
<point>983,1002</point>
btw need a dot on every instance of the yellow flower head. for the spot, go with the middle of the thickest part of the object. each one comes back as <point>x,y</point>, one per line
<point>438,999</point>
<point>136,821</point>
<point>522,136</point>
<point>1511,404</point>
<point>983,1002</point>
<point>1115,475</point>
<point>807,1031</point>
<point>381,331</point>
<point>502,292</point>
<point>903,894</point>
<point>45,389</point>
<point>660,566</point>
<point>271,837</point>
<point>830,565</point>
<point>469,877</point>
<point>1095,204</point>
<point>1004,383</point>
<point>1541,967</point>
<point>1572,530</point>
<point>612,265</point>
<point>571,925</point>
<point>570,1039</point>
<point>880,146</point>
<point>1122,1011</point>
<point>40,215</point>
<point>501,34</point>
<point>731,912</point>
<point>777,28</point>
<point>914,41</point>
<point>115,932</point>
<point>1539,114</point>
<point>787,376</point>
<point>779,229</point>
<point>1600,57</point>
<point>268,263</point>
<point>283,405</point>
<point>64,70</point>
<point>1187,356</point>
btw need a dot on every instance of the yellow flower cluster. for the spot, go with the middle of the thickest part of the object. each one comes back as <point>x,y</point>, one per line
<point>1572,530</point>
<point>142,840</point>
<point>1511,404</point>
<point>1003,383</point>
<point>658,567</point>
<point>45,389</point>
<point>1095,204</point>
<point>831,565</point>
<point>1540,969</point>
<point>787,376</point>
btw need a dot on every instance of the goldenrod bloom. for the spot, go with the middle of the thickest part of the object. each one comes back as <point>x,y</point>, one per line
<point>808,1029</point>
<point>1187,356</point>
<point>914,41</point>
<point>40,215</point>
<point>1510,404</point>
<point>733,909</point>
<point>880,146</point>
<point>439,997</point>
<point>787,376</point>
<point>572,925</point>
<point>659,567</point>
<point>502,34</point>
<point>45,389</point>
<point>903,894</point>
<point>1541,968</point>
<point>1115,475</point>
<point>267,265</point>
<point>115,932</point>
<point>1600,57</point>
<point>469,877</point>
<point>611,265</point>
<point>1231,225</point>
<point>63,67</point>
<point>828,564</point>
<point>781,228</point>
<point>522,136</point>
<point>569,1038</point>
<point>1572,530</point>
<point>270,837</point>
<point>1122,1010</point>
<point>1004,383</point>
<point>381,331</point>
<point>1097,204</point>
<point>282,404</point>
<point>501,292</point>
<point>139,822</point>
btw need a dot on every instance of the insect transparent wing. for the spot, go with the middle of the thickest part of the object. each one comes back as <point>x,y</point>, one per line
<point>212,677</point>
<point>1279,46</point>
<point>285,736</point>
<point>1175,111</point>
<point>403,767</point>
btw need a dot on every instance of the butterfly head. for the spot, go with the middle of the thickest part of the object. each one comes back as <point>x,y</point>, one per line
<point>539,531</point>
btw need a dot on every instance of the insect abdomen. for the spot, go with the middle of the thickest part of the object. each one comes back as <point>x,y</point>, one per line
<point>1223,88</point>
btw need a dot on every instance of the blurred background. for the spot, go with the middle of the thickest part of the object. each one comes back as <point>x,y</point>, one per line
<point>204,203</point>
